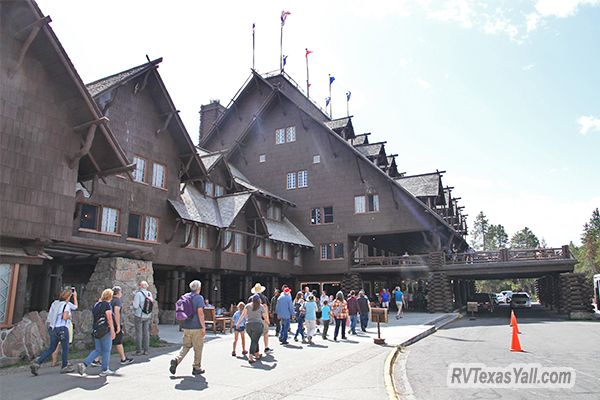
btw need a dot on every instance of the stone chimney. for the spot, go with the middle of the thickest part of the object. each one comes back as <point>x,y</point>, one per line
<point>209,113</point>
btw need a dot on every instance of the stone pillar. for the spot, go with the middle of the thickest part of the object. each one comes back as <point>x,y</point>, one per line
<point>576,294</point>
<point>439,297</point>
<point>127,274</point>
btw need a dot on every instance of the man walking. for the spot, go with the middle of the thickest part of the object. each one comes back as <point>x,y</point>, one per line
<point>364,308</point>
<point>353,311</point>
<point>194,330</point>
<point>399,297</point>
<point>273,309</point>
<point>142,311</point>
<point>284,310</point>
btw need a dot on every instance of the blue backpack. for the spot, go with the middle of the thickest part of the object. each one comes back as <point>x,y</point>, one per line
<point>184,308</point>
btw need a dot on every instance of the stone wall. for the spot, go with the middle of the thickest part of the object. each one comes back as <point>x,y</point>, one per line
<point>126,273</point>
<point>25,340</point>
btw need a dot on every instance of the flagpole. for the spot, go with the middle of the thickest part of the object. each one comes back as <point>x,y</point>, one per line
<point>347,106</point>
<point>307,78</point>
<point>281,49</point>
<point>253,44</point>
<point>330,99</point>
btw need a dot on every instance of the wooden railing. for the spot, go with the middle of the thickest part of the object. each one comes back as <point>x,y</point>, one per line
<point>420,259</point>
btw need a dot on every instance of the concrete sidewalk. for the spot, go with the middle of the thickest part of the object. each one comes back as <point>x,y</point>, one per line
<point>326,370</point>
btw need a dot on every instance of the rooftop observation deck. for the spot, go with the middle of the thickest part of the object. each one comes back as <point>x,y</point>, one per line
<point>499,264</point>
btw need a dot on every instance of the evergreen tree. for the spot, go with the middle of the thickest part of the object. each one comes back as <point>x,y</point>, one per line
<point>496,238</point>
<point>524,239</point>
<point>590,245</point>
<point>480,231</point>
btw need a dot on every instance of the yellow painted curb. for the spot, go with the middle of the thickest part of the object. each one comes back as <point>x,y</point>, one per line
<point>388,376</point>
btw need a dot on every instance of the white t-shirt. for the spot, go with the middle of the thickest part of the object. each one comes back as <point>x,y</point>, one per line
<point>62,307</point>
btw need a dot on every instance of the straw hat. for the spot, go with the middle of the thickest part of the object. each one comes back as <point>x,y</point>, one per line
<point>258,288</point>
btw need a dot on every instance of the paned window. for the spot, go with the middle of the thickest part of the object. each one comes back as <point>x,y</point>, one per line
<point>280,136</point>
<point>316,159</point>
<point>151,229</point>
<point>143,227</point>
<point>88,218</point>
<point>219,190</point>
<point>315,216</point>
<point>368,203</point>
<point>198,240</point>
<point>290,134</point>
<point>110,220</point>
<point>302,179</point>
<point>139,173</point>
<point>262,158</point>
<point>209,188</point>
<point>158,176</point>
<point>332,251</point>
<point>291,180</point>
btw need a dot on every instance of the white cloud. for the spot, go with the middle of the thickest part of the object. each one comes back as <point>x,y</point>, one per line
<point>588,123</point>
<point>452,11</point>
<point>528,67</point>
<point>403,62</point>
<point>423,83</point>
<point>561,8</point>
<point>533,21</point>
<point>501,25</point>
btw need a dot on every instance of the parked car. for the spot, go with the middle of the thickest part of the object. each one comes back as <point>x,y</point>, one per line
<point>520,300</point>
<point>485,301</point>
<point>500,298</point>
<point>507,295</point>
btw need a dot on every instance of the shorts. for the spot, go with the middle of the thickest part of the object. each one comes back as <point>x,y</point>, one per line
<point>240,329</point>
<point>319,314</point>
<point>385,304</point>
<point>118,338</point>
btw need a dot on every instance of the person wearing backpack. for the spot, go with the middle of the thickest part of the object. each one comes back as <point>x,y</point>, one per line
<point>190,309</point>
<point>57,322</point>
<point>142,310</point>
<point>103,331</point>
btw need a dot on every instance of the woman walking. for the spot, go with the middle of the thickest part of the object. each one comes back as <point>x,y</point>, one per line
<point>58,321</point>
<point>257,314</point>
<point>103,332</point>
<point>310,316</point>
<point>299,310</point>
<point>339,312</point>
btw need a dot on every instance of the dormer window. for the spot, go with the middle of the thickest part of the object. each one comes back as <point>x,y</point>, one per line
<point>209,187</point>
<point>274,212</point>
<point>219,190</point>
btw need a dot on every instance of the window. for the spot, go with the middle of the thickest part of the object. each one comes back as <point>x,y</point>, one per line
<point>280,136</point>
<point>368,203</point>
<point>219,190</point>
<point>285,252</point>
<point>198,239</point>
<point>274,212</point>
<point>315,216</point>
<point>260,249</point>
<point>143,227</point>
<point>316,159</point>
<point>291,180</point>
<point>262,158</point>
<point>89,217</point>
<point>158,176</point>
<point>290,134</point>
<point>98,218</point>
<point>320,216</point>
<point>236,244</point>
<point>297,258</point>
<point>209,188</point>
<point>268,249</point>
<point>8,282</point>
<point>139,173</point>
<point>302,179</point>
<point>332,251</point>
<point>110,220</point>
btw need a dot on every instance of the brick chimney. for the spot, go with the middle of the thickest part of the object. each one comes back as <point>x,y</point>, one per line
<point>209,113</point>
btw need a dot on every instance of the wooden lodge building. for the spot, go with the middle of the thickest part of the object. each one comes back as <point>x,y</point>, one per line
<point>101,184</point>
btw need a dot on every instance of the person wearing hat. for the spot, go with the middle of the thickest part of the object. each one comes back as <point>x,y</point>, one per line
<point>284,311</point>
<point>259,289</point>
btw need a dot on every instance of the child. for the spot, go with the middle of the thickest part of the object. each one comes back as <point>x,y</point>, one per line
<point>310,315</point>
<point>239,331</point>
<point>326,317</point>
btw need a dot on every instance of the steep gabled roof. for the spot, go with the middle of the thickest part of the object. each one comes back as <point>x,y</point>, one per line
<point>241,180</point>
<point>102,85</point>
<point>211,159</point>
<point>427,185</point>
<point>342,126</point>
<point>194,206</point>
<point>230,206</point>
<point>363,138</point>
<point>106,156</point>
<point>371,150</point>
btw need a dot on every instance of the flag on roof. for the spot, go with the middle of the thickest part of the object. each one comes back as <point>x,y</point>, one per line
<point>308,52</point>
<point>284,15</point>
<point>327,100</point>
<point>284,60</point>
<point>348,94</point>
<point>253,28</point>
<point>331,79</point>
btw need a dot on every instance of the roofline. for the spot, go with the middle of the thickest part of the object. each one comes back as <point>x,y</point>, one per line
<point>93,107</point>
<point>439,173</point>
<point>149,64</point>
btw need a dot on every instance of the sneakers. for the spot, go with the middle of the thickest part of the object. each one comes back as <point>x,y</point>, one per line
<point>95,364</point>
<point>145,353</point>
<point>69,368</point>
<point>106,373</point>
<point>34,368</point>
<point>173,367</point>
<point>126,361</point>
<point>138,352</point>
<point>233,353</point>
<point>268,349</point>
<point>198,371</point>
<point>244,352</point>
<point>81,368</point>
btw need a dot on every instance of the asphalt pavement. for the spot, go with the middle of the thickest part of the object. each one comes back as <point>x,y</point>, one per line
<point>353,368</point>
<point>546,338</point>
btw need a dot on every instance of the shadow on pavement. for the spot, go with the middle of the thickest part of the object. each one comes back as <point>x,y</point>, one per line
<point>292,346</point>
<point>190,382</point>
<point>458,339</point>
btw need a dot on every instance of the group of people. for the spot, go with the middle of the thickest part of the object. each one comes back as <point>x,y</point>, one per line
<point>399,297</point>
<point>107,329</point>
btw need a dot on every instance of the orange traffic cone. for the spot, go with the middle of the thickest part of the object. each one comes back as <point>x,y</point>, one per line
<point>513,321</point>
<point>515,345</point>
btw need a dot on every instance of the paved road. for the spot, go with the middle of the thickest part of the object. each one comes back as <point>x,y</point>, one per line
<point>328,370</point>
<point>547,338</point>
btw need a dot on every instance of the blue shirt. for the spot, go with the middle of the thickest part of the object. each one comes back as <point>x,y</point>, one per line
<point>284,308</point>
<point>385,297</point>
<point>326,310</point>
<point>310,310</point>
<point>399,295</point>
<point>236,318</point>
<point>194,322</point>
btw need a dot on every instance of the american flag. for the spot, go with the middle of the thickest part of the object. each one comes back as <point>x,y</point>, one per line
<point>284,15</point>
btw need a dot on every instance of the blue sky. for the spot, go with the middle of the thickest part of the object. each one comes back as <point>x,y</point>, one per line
<point>502,95</point>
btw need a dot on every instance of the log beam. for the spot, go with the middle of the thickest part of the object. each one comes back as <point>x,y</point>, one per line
<point>35,29</point>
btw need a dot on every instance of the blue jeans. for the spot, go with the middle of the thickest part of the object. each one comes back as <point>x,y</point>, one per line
<point>102,347</point>
<point>57,335</point>
<point>353,320</point>
<point>300,328</point>
<point>340,325</point>
<point>285,327</point>
<point>364,320</point>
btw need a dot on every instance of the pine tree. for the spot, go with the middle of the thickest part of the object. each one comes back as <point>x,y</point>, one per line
<point>480,230</point>
<point>524,239</point>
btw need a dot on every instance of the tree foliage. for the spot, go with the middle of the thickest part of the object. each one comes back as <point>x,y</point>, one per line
<point>480,230</point>
<point>524,239</point>
<point>588,254</point>
<point>496,238</point>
